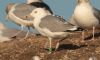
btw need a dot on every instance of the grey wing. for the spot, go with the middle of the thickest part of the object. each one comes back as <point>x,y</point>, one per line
<point>97,13</point>
<point>53,23</point>
<point>23,10</point>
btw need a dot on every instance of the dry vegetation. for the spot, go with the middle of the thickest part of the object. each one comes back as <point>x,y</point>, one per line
<point>72,48</point>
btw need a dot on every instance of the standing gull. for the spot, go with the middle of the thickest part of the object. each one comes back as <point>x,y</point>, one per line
<point>21,21</point>
<point>5,33</point>
<point>39,4</point>
<point>3,38</point>
<point>86,16</point>
<point>22,11</point>
<point>51,26</point>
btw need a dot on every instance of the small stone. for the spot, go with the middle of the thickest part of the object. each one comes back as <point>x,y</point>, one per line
<point>36,58</point>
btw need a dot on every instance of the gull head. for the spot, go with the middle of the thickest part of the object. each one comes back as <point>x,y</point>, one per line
<point>82,1</point>
<point>39,13</point>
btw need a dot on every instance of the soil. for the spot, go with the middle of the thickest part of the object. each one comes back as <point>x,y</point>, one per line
<point>74,47</point>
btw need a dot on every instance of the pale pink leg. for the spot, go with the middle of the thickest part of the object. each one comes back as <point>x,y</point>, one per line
<point>93,32</point>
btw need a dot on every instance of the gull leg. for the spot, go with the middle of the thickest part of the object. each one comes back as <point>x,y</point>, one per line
<point>83,36</point>
<point>57,46</point>
<point>27,33</point>
<point>18,32</point>
<point>50,47</point>
<point>93,32</point>
<point>58,43</point>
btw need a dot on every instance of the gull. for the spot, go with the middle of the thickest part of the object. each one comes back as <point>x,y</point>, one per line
<point>39,3</point>
<point>21,13</point>
<point>5,33</point>
<point>86,16</point>
<point>20,21</point>
<point>51,26</point>
<point>3,38</point>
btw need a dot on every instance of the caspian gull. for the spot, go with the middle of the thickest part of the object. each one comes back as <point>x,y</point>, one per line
<point>51,26</point>
<point>21,21</point>
<point>86,16</point>
<point>22,11</point>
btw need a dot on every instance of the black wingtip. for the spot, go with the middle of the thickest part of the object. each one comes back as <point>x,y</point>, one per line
<point>79,29</point>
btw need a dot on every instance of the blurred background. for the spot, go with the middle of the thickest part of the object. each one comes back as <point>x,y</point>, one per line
<point>60,7</point>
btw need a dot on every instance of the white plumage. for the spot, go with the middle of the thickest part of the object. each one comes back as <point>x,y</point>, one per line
<point>51,26</point>
<point>86,16</point>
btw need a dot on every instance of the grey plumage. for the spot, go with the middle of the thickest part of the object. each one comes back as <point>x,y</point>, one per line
<point>21,10</point>
<point>55,24</point>
<point>22,20</point>
<point>51,26</point>
<point>97,14</point>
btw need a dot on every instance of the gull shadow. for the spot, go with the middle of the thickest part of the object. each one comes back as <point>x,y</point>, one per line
<point>90,37</point>
<point>69,47</point>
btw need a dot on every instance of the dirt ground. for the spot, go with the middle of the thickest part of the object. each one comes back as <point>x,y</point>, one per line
<point>72,48</point>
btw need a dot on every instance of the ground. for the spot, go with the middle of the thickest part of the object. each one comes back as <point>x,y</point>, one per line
<point>72,48</point>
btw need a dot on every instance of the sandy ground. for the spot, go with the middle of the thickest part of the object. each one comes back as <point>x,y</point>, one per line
<point>72,48</point>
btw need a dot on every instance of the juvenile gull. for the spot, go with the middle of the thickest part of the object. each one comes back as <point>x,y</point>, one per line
<point>51,26</point>
<point>86,16</point>
<point>22,11</point>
